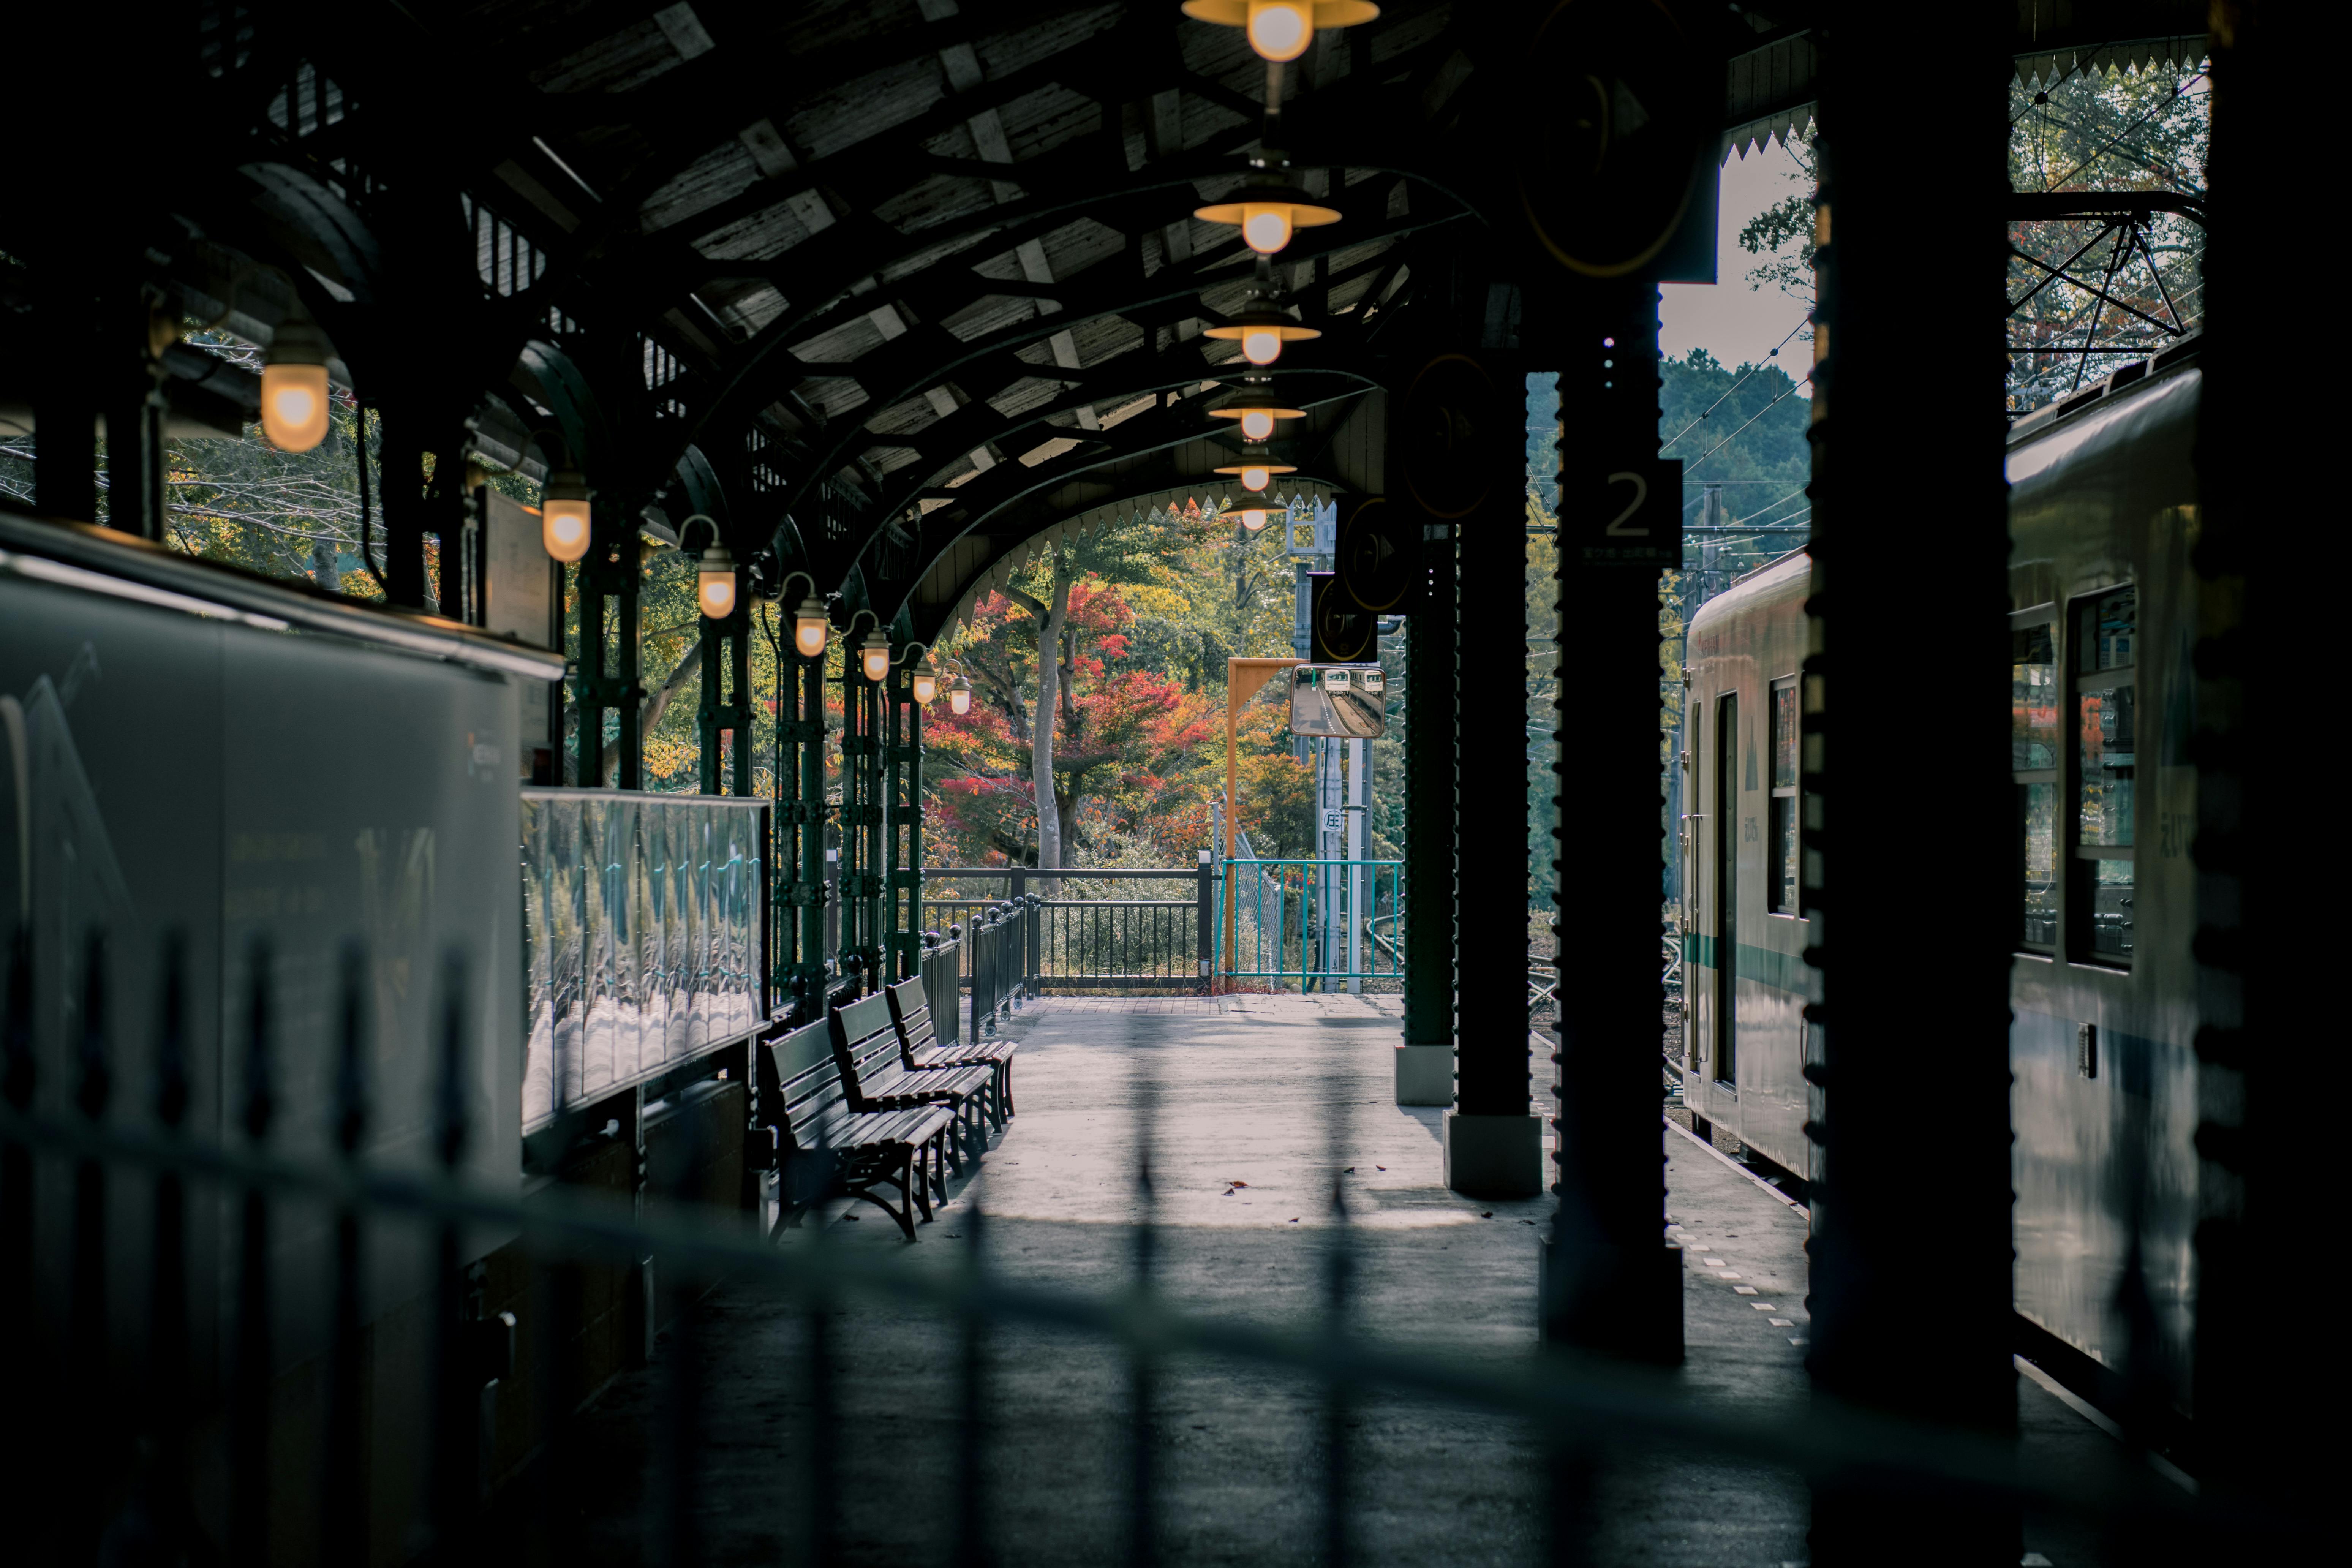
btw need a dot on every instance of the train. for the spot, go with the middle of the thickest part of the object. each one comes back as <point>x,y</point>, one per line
<point>2102,516</point>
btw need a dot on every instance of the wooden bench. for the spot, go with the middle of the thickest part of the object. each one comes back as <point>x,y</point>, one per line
<point>866,1049</point>
<point>826,1144</point>
<point>920,1049</point>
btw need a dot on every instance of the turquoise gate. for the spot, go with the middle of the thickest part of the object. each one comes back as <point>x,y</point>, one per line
<point>1325,924</point>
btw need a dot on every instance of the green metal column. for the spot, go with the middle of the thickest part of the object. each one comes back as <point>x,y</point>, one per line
<point>726,703</point>
<point>800,827</point>
<point>861,816</point>
<point>903,787</point>
<point>1611,1283</point>
<point>1425,1062</point>
<point>1946,1087</point>
<point>607,679</point>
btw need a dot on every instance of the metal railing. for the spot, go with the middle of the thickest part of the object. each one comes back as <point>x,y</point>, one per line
<point>1088,941</point>
<point>1315,921</point>
<point>942,962</point>
<point>1003,944</point>
<point>238,1396</point>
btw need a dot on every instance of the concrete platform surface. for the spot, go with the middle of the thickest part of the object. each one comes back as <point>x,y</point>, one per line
<point>1256,1104</point>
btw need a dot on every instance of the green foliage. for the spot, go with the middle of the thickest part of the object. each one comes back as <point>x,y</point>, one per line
<point>2141,131</point>
<point>1158,599</point>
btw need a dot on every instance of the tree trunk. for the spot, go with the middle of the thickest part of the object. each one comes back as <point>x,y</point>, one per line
<point>1049,709</point>
<point>655,707</point>
<point>1050,619</point>
<point>1066,801</point>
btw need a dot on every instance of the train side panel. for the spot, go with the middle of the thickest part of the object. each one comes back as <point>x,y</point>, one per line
<point>1746,646</point>
<point>2104,1102</point>
<point>2102,518</point>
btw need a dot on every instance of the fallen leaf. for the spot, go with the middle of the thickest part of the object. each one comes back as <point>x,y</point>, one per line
<point>1486,1214</point>
<point>1231,1182</point>
<point>1226,1194</point>
<point>849,1219</point>
<point>1380,1167</point>
<point>1349,1172</point>
<point>1293,1219</point>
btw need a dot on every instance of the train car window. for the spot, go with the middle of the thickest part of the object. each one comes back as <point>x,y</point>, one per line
<point>2105,638</point>
<point>1781,886</point>
<point>2033,703</point>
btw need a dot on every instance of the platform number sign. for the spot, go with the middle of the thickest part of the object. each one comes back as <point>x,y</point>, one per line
<point>1635,520</point>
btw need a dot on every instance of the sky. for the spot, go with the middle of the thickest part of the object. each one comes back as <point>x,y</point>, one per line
<point>1728,319</point>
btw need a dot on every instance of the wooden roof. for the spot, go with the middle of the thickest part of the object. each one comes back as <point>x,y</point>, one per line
<point>865,279</point>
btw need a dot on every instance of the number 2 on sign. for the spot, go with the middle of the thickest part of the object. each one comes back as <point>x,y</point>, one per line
<point>1617,528</point>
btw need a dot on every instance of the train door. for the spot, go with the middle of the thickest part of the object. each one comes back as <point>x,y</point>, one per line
<point>1687,926</point>
<point>1727,889</point>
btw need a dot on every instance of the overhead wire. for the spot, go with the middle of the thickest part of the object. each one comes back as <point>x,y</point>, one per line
<point>1753,372</point>
<point>1760,414</point>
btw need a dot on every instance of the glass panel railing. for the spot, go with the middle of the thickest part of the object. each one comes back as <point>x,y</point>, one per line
<point>644,931</point>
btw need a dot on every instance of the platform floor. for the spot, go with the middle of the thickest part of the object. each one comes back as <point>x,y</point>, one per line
<point>1247,1090</point>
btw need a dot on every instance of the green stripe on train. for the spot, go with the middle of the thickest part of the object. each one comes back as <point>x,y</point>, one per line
<point>1782,971</point>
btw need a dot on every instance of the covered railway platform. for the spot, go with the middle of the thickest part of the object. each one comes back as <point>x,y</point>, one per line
<point>351,1208</point>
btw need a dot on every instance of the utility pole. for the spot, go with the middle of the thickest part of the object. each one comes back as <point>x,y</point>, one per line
<point>1302,636</point>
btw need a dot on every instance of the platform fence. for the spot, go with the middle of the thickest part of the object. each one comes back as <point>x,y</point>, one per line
<point>175,1424</point>
<point>1318,924</point>
<point>1098,929</point>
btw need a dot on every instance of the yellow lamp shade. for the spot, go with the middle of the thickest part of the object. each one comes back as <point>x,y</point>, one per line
<point>1256,473</point>
<point>715,583</point>
<point>715,592</point>
<point>563,529</point>
<point>563,515</point>
<point>873,657</point>
<point>1262,335</point>
<point>960,696</point>
<point>294,405</point>
<point>810,627</point>
<point>1256,411</point>
<point>1280,31</point>
<point>1266,214</point>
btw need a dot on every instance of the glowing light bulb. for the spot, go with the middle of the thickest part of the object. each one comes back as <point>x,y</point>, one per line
<point>873,657</point>
<point>1261,346</point>
<point>925,679</point>
<point>563,529</point>
<point>716,592</point>
<point>960,696</point>
<point>563,515</point>
<point>810,627</point>
<point>1257,424</point>
<point>1281,29</point>
<point>1254,518</point>
<point>294,383</point>
<point>1254,479</point>
<point>1265,226</point>
<point>294,405</point>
